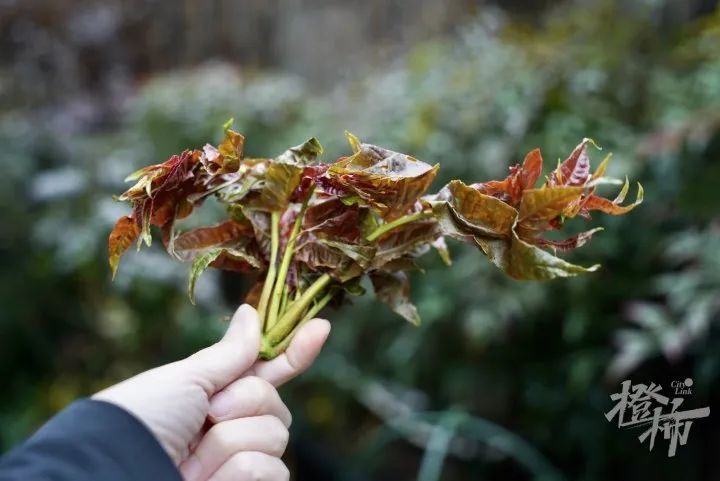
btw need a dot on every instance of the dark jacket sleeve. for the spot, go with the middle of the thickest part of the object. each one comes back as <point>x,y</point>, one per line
<point>90,441</point>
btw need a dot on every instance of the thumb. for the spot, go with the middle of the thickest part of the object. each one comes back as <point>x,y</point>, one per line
<point>223,362</point>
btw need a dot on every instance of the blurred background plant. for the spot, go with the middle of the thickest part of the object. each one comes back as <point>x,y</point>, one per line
<point>504,380</point>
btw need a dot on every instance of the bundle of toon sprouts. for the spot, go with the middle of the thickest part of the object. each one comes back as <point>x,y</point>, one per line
<point>312,230</point>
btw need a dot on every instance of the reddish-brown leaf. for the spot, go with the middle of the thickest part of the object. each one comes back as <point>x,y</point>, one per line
<point>121,238</point>
<point>333,218</point>
<point>253,295</point>
<point>308,180</point>
<point>393,290</point>
<point>606,206</point>
<point>388,181</point>
<point>570,243</point>
<point>341,260</point>
<point>189,243</point>
<point>521,178</point>
<point>531,169</point>
<point>575,170</point>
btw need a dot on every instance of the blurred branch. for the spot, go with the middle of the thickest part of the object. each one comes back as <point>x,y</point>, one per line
<point>437,433</point>
<point>437,447</point>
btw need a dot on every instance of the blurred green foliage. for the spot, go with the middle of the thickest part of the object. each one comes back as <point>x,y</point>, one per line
<point>522,371</point>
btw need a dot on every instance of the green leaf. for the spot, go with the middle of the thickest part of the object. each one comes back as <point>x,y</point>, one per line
<point>369,223</point>
<point>199,264</point>
<point>227,157</point>
<point>361,254</point>
<point>393,289</point>
<point>351,200</point>
<point>353,141</point>
<point>353,287</point>
<point>232,146</point>
<point>600,171</point>
<point>234,192</point>
<point>306,153</point>
<point>278,185</point>
<point>282,176</point>
<point>238,258</point>
<point>523,261</point>
<point>441,247</point>
<point>140,173</point>
<point>227,258</point>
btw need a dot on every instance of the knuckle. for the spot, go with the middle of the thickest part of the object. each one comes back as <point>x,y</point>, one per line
<point>262,389</point>
<point>249,466</point>
<point>221,434</point>
<point>243,465</point>
<point>263,386</point>
<point>281,442</point>
<point>276,425</point>
<point>278,434</point>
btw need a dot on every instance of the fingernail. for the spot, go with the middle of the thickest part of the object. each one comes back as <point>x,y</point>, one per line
<point>191,469</point>
<point>220,405</point>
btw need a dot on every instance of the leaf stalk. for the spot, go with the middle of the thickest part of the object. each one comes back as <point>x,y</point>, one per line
<point>270,351</point>
<point>385,228</point>
<point>277,294</point>
<point>272,268</point>
<point>295,312</point>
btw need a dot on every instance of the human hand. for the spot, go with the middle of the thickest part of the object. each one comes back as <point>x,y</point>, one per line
<point>217,413</point>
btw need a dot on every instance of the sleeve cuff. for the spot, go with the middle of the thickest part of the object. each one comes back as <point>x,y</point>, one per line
<point>92,440</point>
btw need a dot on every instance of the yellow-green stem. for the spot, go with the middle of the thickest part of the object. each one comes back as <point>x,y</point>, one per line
<point>270,352</point>
<point>385,228</point>
<point>295,311</point>
<point>277,293</point>
<point>272,268</point>
<point>283,301</point>
<point>317,307</point>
